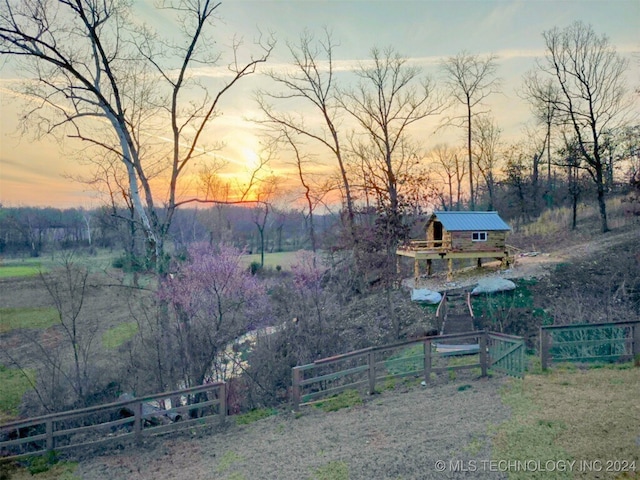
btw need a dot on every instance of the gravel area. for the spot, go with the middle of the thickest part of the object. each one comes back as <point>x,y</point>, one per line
<point>399,434</point>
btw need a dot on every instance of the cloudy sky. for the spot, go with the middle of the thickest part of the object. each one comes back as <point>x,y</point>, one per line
<point>425,31</point>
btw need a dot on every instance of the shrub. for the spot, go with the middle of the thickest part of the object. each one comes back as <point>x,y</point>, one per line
<point>42,463</point>
<point>255,267</point>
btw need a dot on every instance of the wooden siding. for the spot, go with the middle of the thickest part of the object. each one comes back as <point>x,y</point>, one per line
<point>463,241</point>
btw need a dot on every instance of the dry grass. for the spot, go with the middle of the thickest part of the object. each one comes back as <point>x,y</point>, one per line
<point>583,415</point>
<point>600,410</point>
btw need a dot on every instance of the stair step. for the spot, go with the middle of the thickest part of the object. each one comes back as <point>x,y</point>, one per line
<point>457,324</point>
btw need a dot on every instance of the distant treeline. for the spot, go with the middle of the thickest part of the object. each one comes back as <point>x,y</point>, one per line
<point>32,230</point>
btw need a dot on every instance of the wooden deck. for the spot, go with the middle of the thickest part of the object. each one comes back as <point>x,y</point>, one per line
<point>429,250</point>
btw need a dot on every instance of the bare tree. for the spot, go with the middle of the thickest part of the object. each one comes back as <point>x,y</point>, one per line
<point>487,154</point>
<point>311,197</point>
<point>311,81</point>
<point>470,79</point>
<point>122,89</point>
<point>542,98</point>
<point>264,197</point>
<point>390,97</point>
<point>452,170</point>
<point>592,99</point>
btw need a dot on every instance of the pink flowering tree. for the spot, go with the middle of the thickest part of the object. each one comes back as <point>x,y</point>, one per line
<point>213,300</point>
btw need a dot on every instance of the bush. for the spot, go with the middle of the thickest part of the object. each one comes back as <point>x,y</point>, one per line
<point>42,463</point>
<point>255,267</point>
<point>128,263</point>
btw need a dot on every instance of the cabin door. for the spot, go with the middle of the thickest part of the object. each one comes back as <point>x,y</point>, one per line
<point>437,234</point>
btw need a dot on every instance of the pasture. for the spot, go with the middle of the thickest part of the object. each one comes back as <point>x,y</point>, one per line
<point>273,260</point>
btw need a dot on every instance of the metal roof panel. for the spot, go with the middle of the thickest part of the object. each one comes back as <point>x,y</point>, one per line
<point>468,221</point>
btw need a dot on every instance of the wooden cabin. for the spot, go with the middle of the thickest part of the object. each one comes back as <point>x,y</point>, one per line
<point>451,235</point>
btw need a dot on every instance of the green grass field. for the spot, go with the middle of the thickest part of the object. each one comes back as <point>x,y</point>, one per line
<point>12,271</point>
<point>118,335</point>
<point>37,318</point>
<point>20,267</point>
<point>15,383</point>
<point>272,260</point>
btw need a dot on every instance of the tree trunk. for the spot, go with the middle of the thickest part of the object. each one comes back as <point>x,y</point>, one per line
<point>601,198</point>
<point>471,200</point>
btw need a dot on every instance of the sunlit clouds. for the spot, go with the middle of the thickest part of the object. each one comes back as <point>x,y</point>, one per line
<point>39,171</point>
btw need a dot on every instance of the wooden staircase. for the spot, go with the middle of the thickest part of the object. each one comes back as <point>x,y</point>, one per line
<point>456,314</point>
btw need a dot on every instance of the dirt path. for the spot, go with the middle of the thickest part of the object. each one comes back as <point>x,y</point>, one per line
<point>393,435</point>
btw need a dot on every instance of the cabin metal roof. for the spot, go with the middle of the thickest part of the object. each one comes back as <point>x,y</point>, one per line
<point>471,221</point>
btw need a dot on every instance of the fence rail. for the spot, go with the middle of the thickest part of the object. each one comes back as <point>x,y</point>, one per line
<point>366,368</point>
<point>120,421</point>
<point>615,341</point>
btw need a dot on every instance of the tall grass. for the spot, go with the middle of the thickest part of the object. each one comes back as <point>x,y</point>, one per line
<point>559,219</point>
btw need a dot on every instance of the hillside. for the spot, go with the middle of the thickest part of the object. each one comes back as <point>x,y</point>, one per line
<point>404,433</point>
<point>586,415</point>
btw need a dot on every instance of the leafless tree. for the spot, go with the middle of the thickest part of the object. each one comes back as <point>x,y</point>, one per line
<point>542,98</point>
<point>264,196</point>
<point>122,89</point>
<point>470,79</point>
<point>487,153</point>
<point>312,198</point>
<point>592,99</point>
<point>312,81</point>
<point>390,97</point>
<point>64,358</point>
<point>451,168</point>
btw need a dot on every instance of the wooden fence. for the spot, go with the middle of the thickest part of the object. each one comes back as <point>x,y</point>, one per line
<point>366,368</point>
<point>114,422</point>
<point>607,342</point>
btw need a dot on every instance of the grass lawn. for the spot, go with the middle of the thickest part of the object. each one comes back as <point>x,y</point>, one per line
<point>12,271</point>
<point>20,267</point>
<point>14,385</point>
<point>589,416</point>
<point>118,335</point>
<point>272,260</point>
<point>14,318</point>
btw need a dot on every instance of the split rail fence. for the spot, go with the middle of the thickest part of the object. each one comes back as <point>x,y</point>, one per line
<point>120,421</point>
<point>367,368</point>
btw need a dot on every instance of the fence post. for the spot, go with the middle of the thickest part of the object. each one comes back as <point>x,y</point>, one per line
<point>636,341</point>
<point>222,393</point>
<point>483,353</point>
<point>295,388</point>
<point>544,349</point>
<point>49,431</point>
<point>372,372</point>
<point>137,421</point>
<point>427,361</point>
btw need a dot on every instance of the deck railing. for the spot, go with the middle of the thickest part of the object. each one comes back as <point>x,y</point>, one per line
<point>426,245</point>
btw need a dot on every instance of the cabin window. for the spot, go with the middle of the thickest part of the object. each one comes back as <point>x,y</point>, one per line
<point>479,236</point>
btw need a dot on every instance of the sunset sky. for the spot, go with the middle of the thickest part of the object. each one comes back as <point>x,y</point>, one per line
<point>36,172</point>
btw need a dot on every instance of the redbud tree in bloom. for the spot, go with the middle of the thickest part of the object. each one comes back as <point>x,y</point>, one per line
<point>213,299</point>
